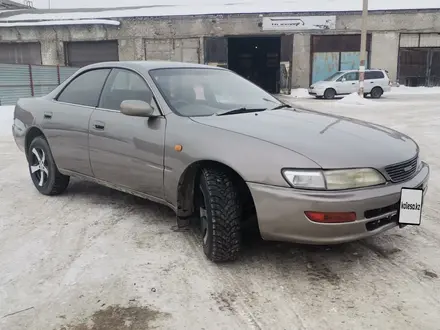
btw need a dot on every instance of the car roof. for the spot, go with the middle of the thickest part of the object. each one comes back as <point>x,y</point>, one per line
<point>148,65</point>
<point>355,70</point>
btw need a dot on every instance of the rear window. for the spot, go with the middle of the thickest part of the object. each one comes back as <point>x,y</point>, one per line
<point>374,75</point>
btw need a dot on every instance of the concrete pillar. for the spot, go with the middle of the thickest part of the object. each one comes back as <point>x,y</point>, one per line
<point>301,60</point>
<point>52,52</point>
<point>385,52</point>
<point>131,49</point>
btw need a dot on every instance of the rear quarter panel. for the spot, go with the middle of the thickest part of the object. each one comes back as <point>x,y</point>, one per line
<point>28,113</point>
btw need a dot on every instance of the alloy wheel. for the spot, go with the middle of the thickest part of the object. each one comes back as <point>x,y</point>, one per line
<point>39,166</point>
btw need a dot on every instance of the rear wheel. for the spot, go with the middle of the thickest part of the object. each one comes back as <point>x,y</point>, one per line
<point>376,92</point>
<point>329,93</point>
<point>219,211</point>
<point>44,173</point>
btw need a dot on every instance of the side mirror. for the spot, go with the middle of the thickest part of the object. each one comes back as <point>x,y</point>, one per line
<point>136,108</point>
<point>344,79</point>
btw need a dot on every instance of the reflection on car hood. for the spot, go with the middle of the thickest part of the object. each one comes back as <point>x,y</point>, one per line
<point>331,141</point>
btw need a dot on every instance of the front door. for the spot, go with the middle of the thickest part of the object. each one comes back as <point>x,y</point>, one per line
<point>127,151</point>
<point>67,128</point>
<point>348,83</point>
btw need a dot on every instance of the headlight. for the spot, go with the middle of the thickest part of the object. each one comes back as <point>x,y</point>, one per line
<point>333,179</point>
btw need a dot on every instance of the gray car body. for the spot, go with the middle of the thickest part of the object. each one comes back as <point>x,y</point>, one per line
<point>137,155</point>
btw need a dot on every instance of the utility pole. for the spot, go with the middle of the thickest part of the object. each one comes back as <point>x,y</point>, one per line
<point>363,53</point>
<point>49,4</point>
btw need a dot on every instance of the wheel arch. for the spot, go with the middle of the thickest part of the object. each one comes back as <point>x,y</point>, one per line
<point>188,179</point>
<point>32,133</point>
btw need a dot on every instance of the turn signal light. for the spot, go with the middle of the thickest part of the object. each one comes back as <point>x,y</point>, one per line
<point>331,217</point>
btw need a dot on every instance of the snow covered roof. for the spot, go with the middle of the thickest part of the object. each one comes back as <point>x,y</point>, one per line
<point>8,4</point>
<point>242,7</point>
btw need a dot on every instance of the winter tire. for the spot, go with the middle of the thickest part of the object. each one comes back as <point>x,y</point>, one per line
<point>219,210</point>
<point>43,170</point>
<point>376,92</point>
<point>329,93</point>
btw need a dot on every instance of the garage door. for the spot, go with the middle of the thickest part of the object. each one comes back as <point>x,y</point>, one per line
<point>81,53</point>
<point>20,53</point>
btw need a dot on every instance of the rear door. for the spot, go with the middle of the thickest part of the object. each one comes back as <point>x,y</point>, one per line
<point>67,126</point>
<point>373,79</point>
<point>127,151</point>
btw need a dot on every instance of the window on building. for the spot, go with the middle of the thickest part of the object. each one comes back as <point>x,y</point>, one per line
<point>85,89</point>
<point>124,85</point>
<point>374,75</point>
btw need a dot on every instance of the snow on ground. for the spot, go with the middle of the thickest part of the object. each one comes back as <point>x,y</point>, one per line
<point>97,256</point>
<point>303,93</point>
<point>6,119</point>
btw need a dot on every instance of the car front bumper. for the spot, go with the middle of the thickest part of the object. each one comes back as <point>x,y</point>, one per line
<point>316,92</point>
<point>281,217</point>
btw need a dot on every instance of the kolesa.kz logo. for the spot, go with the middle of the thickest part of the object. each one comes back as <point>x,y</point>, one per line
<point>409,206</point>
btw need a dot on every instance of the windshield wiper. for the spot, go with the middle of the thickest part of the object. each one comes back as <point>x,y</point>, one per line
<point>282,106</point>
<point>239,110</point>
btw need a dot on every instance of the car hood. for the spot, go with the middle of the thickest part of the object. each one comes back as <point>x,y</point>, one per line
<point>330,141</point>
<point>320,83</point>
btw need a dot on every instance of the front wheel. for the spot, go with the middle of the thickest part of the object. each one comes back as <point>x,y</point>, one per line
<point>329,93</point>
<point>219,210</point>
<point>43,170</point>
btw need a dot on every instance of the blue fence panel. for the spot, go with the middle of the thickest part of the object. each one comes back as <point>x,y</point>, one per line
<point>324,65</point>
<point>351,60</point>
<point>14,83</point>
<point>45,79</point>
<point>19,81</point>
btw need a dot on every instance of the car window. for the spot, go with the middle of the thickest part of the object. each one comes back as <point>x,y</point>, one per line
<point>333,76</point>
<point>374,75</point>
<point>123,85</point>
<point>205,92</point>
<point>351,76</point>
<point>85,89</point>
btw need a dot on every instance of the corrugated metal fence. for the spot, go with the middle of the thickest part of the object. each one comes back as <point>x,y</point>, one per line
<point>22,80</point>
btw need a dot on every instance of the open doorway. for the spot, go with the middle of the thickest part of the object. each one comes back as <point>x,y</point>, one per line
<point>256,59</point>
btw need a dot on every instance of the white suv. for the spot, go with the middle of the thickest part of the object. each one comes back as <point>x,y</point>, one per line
<point>346,82</point>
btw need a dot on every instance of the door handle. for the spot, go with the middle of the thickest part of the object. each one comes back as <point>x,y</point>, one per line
<point>99,125</point>
<point>48,115</point>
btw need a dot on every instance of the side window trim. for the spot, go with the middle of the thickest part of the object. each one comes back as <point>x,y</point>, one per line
<point>55,99</point>
<point>142,78</point>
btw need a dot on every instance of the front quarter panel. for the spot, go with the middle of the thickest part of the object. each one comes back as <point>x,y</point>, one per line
<point>254,160</point>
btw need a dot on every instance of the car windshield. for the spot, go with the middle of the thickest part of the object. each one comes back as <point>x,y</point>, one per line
<point>334,76</point>
<point>195,92</point>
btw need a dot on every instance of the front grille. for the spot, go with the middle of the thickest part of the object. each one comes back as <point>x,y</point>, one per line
<point>402,171</point>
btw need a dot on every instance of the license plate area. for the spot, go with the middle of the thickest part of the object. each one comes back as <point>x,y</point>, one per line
<point>411,205</point>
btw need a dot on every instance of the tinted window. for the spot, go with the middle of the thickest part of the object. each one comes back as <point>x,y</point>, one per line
<point>85,89</point>
<point>374,75</point>
<point>351,76</point>
<point>205,92</point>
<point>123,85</point>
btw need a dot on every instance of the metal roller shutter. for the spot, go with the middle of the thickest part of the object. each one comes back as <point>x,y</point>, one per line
<point>82,53</point>
<point>20,53</point>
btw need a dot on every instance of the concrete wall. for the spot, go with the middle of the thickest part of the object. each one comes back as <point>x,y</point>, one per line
<point>385,52</point>
<point>181,38</point>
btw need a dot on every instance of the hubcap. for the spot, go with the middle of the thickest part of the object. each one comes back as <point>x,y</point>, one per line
<point>203,214</point>
<point>39,167</point>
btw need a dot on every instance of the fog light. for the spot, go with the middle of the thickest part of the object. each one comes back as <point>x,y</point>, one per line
<point>331,217</point>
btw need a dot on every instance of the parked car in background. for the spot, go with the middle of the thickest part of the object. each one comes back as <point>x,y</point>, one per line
<point>222,153</point>
<point>346,82</point>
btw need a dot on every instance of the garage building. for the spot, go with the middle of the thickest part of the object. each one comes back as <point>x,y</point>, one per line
<point>277,50</point>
